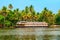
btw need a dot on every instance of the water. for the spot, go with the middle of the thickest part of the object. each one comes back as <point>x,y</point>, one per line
<point>30,34</point>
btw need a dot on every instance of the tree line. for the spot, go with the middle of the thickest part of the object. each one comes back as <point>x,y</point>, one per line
<point>9,17</point>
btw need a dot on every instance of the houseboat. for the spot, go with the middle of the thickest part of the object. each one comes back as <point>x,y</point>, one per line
<point>23,24</point>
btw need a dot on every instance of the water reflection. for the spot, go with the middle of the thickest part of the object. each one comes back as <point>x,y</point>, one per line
<point>48,37</point>
<point>30,37</point>
<point>30,34</point>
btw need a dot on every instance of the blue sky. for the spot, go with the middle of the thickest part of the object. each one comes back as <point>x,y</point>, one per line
<point>53,5</point>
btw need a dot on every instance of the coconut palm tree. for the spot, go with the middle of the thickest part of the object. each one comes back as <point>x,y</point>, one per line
<point>31,9</point>
<point>10,6</point>
<point>26,9</point>
<point>4,13</point>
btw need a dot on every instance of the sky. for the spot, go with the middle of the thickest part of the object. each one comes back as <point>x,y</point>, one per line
<point>39,5</point>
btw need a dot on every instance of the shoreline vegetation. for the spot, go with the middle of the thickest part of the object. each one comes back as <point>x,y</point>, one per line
<point>9,16</point>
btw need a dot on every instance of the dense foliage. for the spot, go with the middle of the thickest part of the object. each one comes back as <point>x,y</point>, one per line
<point>9,17</point>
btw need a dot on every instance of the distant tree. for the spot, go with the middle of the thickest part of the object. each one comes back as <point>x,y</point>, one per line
<point>10,6</point>
<point>4,9</point>
<point>43,15</point>
<point>7,23</point>
<point>1,19</point>
<point>26,9</point>
<point>58,18</point>
<point>46,16</point>
<point>31,9</point>
<point>4,13</point>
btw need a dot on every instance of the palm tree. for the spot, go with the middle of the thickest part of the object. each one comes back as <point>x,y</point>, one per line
<point>4,13</point>
<point>26,9</point>
<point>31,9</point>
<point>17,13</point>
<point>10,6</point>
<point>17,9</point>
<point>4,8</point>
<point>57,18</point>
<point>45,9</point>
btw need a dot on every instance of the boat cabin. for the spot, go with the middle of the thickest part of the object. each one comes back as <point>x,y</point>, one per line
<point>31,24</point>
